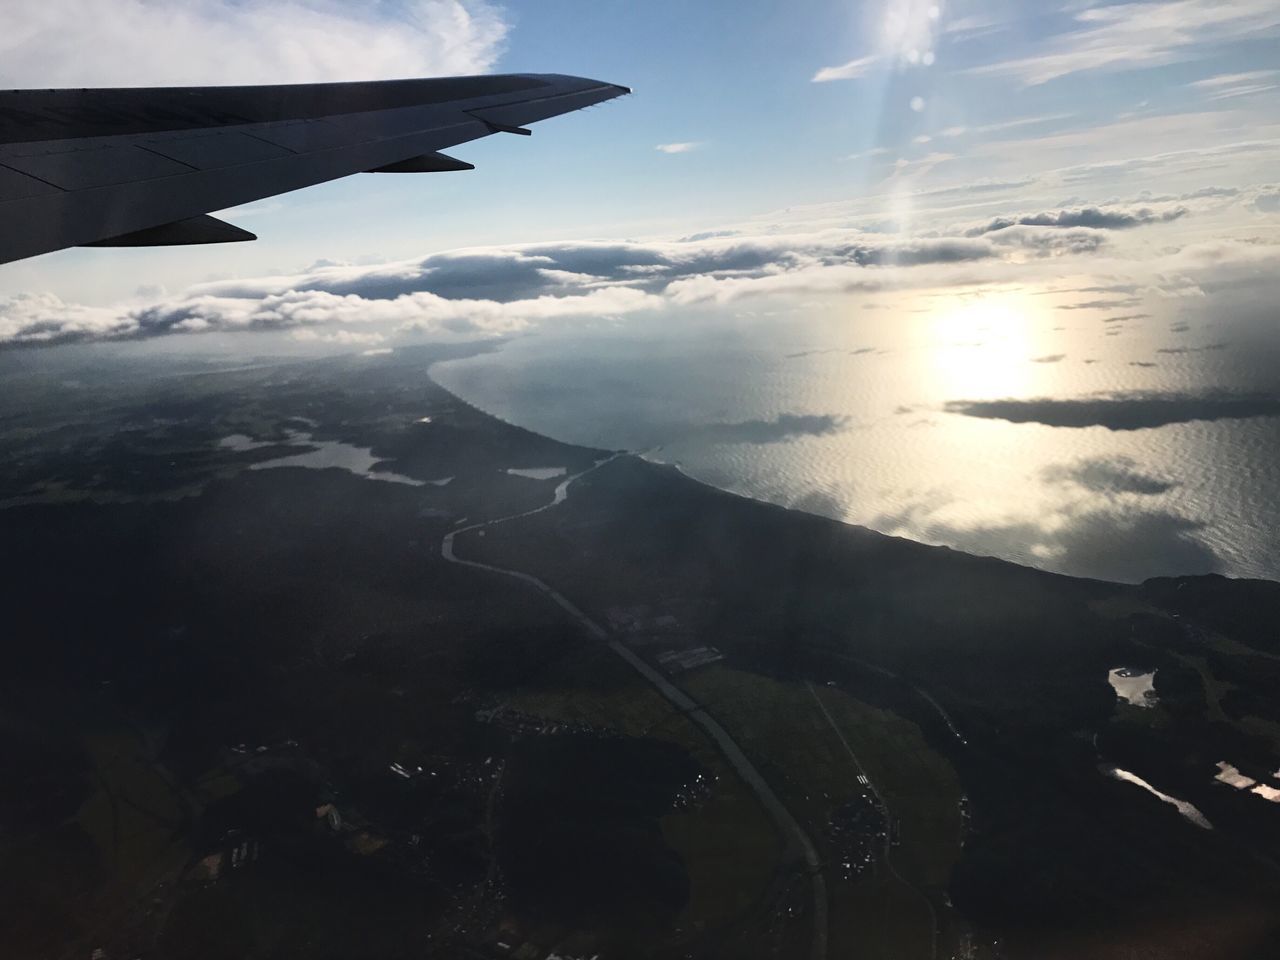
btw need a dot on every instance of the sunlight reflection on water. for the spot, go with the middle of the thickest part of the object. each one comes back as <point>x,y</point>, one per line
<point>1186,809</point>
<point>1134,687</point>
<point>842,410</point>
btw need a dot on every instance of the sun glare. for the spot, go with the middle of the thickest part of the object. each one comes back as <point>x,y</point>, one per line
<point>982,345</point>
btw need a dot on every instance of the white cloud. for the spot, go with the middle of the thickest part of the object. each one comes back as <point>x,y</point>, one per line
<point>486,291</point>
<point>1234,79</point>
<point>344,338</point>
<point>846,71</point>
<point>906,36</point>
<point>873,152</point>
<point>499,290</point>
<point>1229,85</point>
<point>986,128</point>
<point>686,147</point>
<point>972,26</point>
<point>1126,36</point>
<point>50,43</point>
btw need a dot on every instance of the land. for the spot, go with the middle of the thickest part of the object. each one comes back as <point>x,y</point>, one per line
<point>437,708</point>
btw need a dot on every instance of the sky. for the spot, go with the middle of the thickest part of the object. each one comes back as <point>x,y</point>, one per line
<point>810,149</point>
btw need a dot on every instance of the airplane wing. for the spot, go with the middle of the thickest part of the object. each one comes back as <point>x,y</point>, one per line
<point>145,166</point>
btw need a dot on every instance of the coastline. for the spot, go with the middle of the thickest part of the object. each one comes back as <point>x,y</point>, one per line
<point>679,470</point>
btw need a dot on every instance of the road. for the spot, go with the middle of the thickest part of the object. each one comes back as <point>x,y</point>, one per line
<point>799,847</point>
<point>888,814</point>
<point>920,691</point>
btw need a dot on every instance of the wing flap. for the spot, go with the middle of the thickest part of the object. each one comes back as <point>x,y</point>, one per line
<point>202,229</point>
<point>16,186</point>
<point>427,163</point>
<point>94,167</point>
<point>212,150</point>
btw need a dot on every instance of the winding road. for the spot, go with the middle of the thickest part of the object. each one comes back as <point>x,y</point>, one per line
<point>799,847</point>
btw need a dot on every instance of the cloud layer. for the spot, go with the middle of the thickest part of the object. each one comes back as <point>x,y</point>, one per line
<point>499,290</point>
<point>1093,218</point>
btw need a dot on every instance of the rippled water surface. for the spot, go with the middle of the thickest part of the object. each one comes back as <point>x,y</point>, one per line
<point>876,416</point>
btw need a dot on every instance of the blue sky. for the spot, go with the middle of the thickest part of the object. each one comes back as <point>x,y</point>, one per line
<point>901,119</point>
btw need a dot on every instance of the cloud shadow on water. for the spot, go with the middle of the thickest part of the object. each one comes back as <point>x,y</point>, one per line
<point>1121,411</point>
<point>784,428</point>
<point>1111,541</point>
<point>1108,475</point>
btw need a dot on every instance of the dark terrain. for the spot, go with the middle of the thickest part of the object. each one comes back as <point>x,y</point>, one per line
<point>254,713</point>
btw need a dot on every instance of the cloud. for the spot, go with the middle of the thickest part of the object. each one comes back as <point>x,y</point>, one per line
<point>1267,200</point>
<point>687,147</point>
<point>497,290</point>
<point>45,319</point>
<point>979,187</point>
<point>1049,242</point>
<point>1227,86</point>
<point>1122,411</point>
<point>1127,36</point>
<point>989,128</point>
<point>1094,218</point>
<point>872,152</point>
<point>846,71</point>
<point>47,43</point>
<point>1109,475</point>
<point>980,24</point>
<point>344,338</point>
<point>1233,79</point>
<point>1165,162</point>
<point>491,291</point>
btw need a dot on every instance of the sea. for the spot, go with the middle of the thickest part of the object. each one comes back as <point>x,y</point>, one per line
<point>861,411</point>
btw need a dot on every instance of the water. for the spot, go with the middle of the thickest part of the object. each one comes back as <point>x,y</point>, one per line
<point>324,455</point>
<point>852,414</point>
<point>537,473</point>
<point>1232,777</point>
<point>1134,687</point>
<point>1186,809</point>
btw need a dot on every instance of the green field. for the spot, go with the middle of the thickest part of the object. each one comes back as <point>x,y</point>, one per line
<point>729,847</point>
<point>782,726</point>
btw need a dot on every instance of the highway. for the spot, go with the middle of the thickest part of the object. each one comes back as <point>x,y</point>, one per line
<point>799,847</point>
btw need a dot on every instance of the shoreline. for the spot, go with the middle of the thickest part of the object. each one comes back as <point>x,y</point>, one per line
<point>679,470</point>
